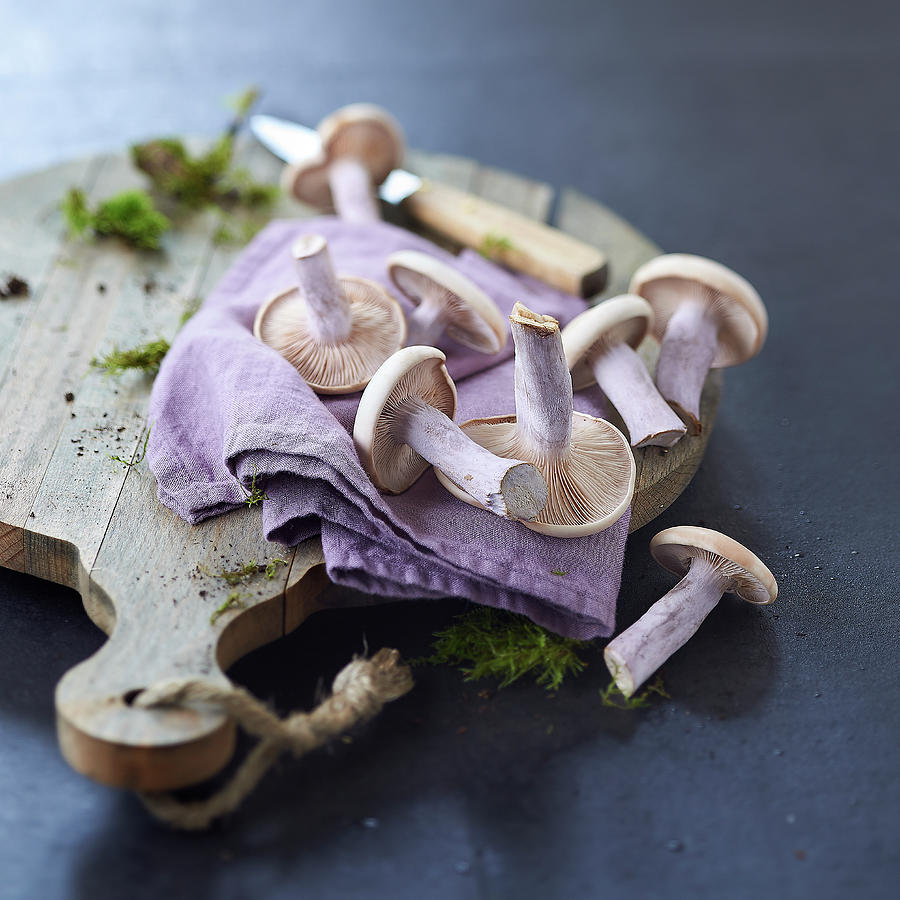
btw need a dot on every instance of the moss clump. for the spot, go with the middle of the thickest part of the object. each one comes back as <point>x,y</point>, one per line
<point>493,244</point>
<point>145,358</point>
<point>129,215</point>
<point>611,695</point>
<point>490,643</point>
<point>272,566</point>
<point>194,182</point>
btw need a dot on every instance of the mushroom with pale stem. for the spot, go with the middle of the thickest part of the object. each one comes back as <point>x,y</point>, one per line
<point>446,300</point>
<point>586,462</point>
<point>706,317</point>
<point>361,145</point>
<point>405,422</point>
<point>711,565</point>
<point>335,330</point>
<point>600,345</point>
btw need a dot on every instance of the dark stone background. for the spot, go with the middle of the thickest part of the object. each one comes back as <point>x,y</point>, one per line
<point>762,134</point>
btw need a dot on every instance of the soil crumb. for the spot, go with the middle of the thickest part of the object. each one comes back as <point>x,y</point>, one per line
<point>13,286</point>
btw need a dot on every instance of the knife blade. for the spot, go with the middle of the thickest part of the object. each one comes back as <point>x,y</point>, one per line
<point>508,237</point>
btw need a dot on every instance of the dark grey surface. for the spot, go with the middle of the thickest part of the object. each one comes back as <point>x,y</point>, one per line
<point>765,135</point>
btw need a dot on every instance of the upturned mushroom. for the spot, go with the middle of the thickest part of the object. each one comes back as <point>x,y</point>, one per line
<point>706,317</point>
<point>335,330</point>
<point>600,348</point>
<point>446,300</point>
<point>404,423</point>
<point>361,145</point>
<point>586,462</point>
<point>711,565</point>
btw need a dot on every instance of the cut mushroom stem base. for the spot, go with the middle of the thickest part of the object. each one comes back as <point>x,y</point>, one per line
<point>506,487</point>
<point>351,191</point>
<point>689,346</point>
<point>641,649</point>
<point>543,384</point>
<point>624,379</point>
<point>329,318</point>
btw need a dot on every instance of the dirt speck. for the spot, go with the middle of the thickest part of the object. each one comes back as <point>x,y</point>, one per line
<point>13,286</point>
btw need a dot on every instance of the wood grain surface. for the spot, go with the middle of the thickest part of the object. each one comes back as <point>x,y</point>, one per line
<point>70,514</point>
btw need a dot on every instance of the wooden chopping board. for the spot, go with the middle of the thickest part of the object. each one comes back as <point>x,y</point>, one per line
<point>73,516</point>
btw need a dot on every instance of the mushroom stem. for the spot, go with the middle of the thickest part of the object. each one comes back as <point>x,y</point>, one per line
<point>688,348</point>
<point>543,384</point>
<point>426,325</point>
<point>641,649</point>
<point>624,379</point>
<point>328,310</point>
<point>507,487</point>
<point>351,190</point>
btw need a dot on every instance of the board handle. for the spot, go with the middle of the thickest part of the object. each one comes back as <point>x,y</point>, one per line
<point>105,735</point>
<point>510,238</point>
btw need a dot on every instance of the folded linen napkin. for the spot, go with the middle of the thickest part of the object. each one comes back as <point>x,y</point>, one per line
<point>225,406</point>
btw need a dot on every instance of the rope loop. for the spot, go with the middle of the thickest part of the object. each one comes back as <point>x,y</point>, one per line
<point>359,692</point>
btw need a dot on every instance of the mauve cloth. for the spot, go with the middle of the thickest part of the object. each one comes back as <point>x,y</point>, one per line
<point>225,406</point>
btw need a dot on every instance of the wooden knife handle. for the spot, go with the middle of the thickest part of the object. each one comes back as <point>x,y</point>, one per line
<point>510,238</point>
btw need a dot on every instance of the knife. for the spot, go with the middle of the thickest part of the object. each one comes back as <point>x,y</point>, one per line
<point>508,237</point>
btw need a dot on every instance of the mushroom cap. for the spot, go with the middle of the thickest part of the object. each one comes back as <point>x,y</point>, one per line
<point>378,329</point>
<point>626,318</point>
<point>666,281</point>
<point>675,548</point>
<point>475,321</point>
<point>588,489</point>
<point>411,373</point>
<point>363,131</point>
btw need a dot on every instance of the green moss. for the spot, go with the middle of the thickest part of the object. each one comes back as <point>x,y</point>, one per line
<point>493,244</point>
<point>145,358</point>
<point>130,463</point>
<point>244,572</point>
<point>559,572</point>
<point>272,566</point>
<point>235,576</point>
<point>207,179</point>
<point>76,213</point>
<point>232,231</point>
<point>490,643</point>
<point>129,215</point>
<point>234,600</point>
<point>189,181</point>
<point>611,695</point>
<point>195,182</point>
<point>256,494</point>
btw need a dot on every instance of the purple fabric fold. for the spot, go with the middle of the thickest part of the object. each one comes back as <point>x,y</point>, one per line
<point>225,409</point>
